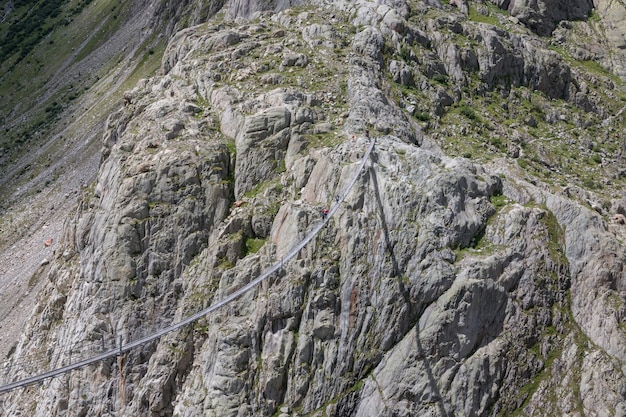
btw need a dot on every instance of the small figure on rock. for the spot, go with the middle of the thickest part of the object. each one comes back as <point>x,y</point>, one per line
<point>324,214</point>
<point>128,98</point>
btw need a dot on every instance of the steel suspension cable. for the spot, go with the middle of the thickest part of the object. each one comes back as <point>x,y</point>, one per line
<point>226,300</point>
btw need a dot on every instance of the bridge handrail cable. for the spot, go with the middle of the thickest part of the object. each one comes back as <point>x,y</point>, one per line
<point>226,300</point>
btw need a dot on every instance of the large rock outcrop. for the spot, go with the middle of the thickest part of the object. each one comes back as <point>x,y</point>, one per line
<point>441,286</point>
<point>543,16</point>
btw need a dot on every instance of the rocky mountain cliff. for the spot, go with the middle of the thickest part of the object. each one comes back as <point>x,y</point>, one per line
<point>475,269</point>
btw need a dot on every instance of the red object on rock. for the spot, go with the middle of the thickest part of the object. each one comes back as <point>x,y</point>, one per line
<point>48,242</point>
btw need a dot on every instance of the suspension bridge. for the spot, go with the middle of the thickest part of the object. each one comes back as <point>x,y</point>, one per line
<point>123,348</point>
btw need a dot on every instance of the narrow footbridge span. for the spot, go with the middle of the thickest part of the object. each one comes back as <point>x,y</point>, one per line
<point>123,348</point>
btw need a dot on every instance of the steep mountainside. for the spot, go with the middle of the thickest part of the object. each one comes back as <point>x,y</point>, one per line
<point>64,68</point>
<point>476,268</point>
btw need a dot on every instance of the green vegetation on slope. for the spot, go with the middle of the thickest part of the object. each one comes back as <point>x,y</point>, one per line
<point>41,43</point>
<point>559,141</point>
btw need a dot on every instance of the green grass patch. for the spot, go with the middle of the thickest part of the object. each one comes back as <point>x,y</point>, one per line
<point>594,67</point>
<point>441,79</point>
<point>477,17</point>
<point>252,245</point>
<point>556,236</point>
<point>323,140</point>
<point>499,201</point>
<point>469,113</point>
<point>256,190</point>
<point>280,166</point>
<point>231,146</point>
<point>422,116</point>
<point>596,158</point>
<point>224,263</point>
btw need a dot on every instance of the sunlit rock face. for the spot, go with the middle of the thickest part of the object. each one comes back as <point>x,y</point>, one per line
<point>445,284</point>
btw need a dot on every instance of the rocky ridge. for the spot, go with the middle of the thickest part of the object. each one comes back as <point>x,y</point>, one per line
<point>442,286</point>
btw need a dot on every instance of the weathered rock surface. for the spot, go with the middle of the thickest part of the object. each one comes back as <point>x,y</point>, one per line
<point>543,16</point>
<point>440,287</point>
<point>612,22</point>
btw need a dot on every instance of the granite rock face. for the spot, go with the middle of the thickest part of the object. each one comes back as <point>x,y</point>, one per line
<point>547,18</point>
<point>440,287</point>
<point>543,16</point>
